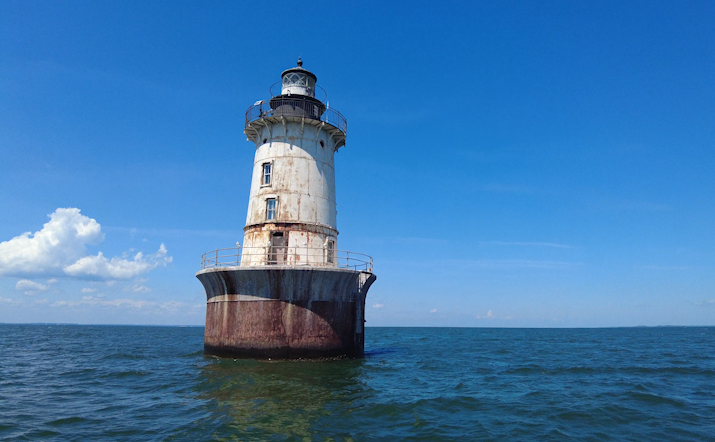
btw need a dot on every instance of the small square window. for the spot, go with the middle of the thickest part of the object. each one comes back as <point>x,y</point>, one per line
<point>271,205</point>
<point>267,174</point>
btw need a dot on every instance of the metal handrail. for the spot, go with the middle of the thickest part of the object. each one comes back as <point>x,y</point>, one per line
<point>296,106</point>
<point>283,255</point>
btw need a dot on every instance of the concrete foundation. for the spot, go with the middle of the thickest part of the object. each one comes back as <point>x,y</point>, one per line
<point>284,311</point>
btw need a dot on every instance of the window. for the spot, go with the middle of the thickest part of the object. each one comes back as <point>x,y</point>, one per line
<point>267,171</point>
<point>271,205</point>
<point>295,78</point>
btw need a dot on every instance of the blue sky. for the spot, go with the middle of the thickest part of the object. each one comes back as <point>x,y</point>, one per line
<point>517,164</point>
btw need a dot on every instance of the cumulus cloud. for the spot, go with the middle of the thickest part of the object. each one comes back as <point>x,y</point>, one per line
<point>88,290</point>
<point>100,267</point>
<point>30,287</point>
<point>434,310</point>
<point>62,240</point>
<point>60,249</point>
<point>378,306</point>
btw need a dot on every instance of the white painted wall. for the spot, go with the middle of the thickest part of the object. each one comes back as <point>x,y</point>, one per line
<point>303,182</point>
<point>303,176</point>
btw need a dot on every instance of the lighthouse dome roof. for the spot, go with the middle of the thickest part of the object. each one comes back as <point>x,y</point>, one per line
<point>300,70</point>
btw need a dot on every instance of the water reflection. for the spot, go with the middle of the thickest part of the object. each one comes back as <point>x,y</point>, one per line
<point>288,398</point>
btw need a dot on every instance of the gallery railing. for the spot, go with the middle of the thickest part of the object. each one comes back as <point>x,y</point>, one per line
<point>289,256</point>
<point>302,107</point>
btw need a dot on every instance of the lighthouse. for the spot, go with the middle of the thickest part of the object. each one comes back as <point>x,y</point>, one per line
<point>288,291</point>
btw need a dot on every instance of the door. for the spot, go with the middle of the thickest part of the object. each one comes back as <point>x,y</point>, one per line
<point>277,253</point>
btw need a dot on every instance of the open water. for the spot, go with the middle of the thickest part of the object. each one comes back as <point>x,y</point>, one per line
<point>67,382</point>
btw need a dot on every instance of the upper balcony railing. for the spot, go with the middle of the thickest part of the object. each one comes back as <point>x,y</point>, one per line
<point>286,256</point>
<point>296,106</point>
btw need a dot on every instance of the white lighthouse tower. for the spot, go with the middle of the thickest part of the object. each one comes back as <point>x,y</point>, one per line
<point>289,291</point>
<point>292,202</point>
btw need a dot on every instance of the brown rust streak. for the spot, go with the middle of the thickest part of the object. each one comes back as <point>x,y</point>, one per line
<point>280,329</point>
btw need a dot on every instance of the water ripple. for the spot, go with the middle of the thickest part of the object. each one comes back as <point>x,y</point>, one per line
<point>62,383</point>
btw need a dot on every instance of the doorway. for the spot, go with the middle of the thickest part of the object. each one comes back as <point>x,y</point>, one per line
<point>278,249</point>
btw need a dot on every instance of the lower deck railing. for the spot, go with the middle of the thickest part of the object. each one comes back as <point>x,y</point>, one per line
<point>282,255</point>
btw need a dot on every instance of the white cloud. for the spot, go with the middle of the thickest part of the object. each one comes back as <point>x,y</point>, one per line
<point>378,306</point>
<point>9,301</point>
<point>62,240</point>
<point>138,288</point>
<point>99,267</point>
<point>169,306</point>
<point>126,303</point>
<point>88,290</point>
<point>173,306</point>
<point>30,287</point>
<point>60,249</point>
<point>95,300</point>
<point>490,315</point>
<point>434,310</point>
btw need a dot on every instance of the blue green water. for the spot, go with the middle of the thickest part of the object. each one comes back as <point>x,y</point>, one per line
<point>64,382</point>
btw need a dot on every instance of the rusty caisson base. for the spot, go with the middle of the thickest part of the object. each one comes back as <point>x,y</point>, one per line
<point>284,312</point>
